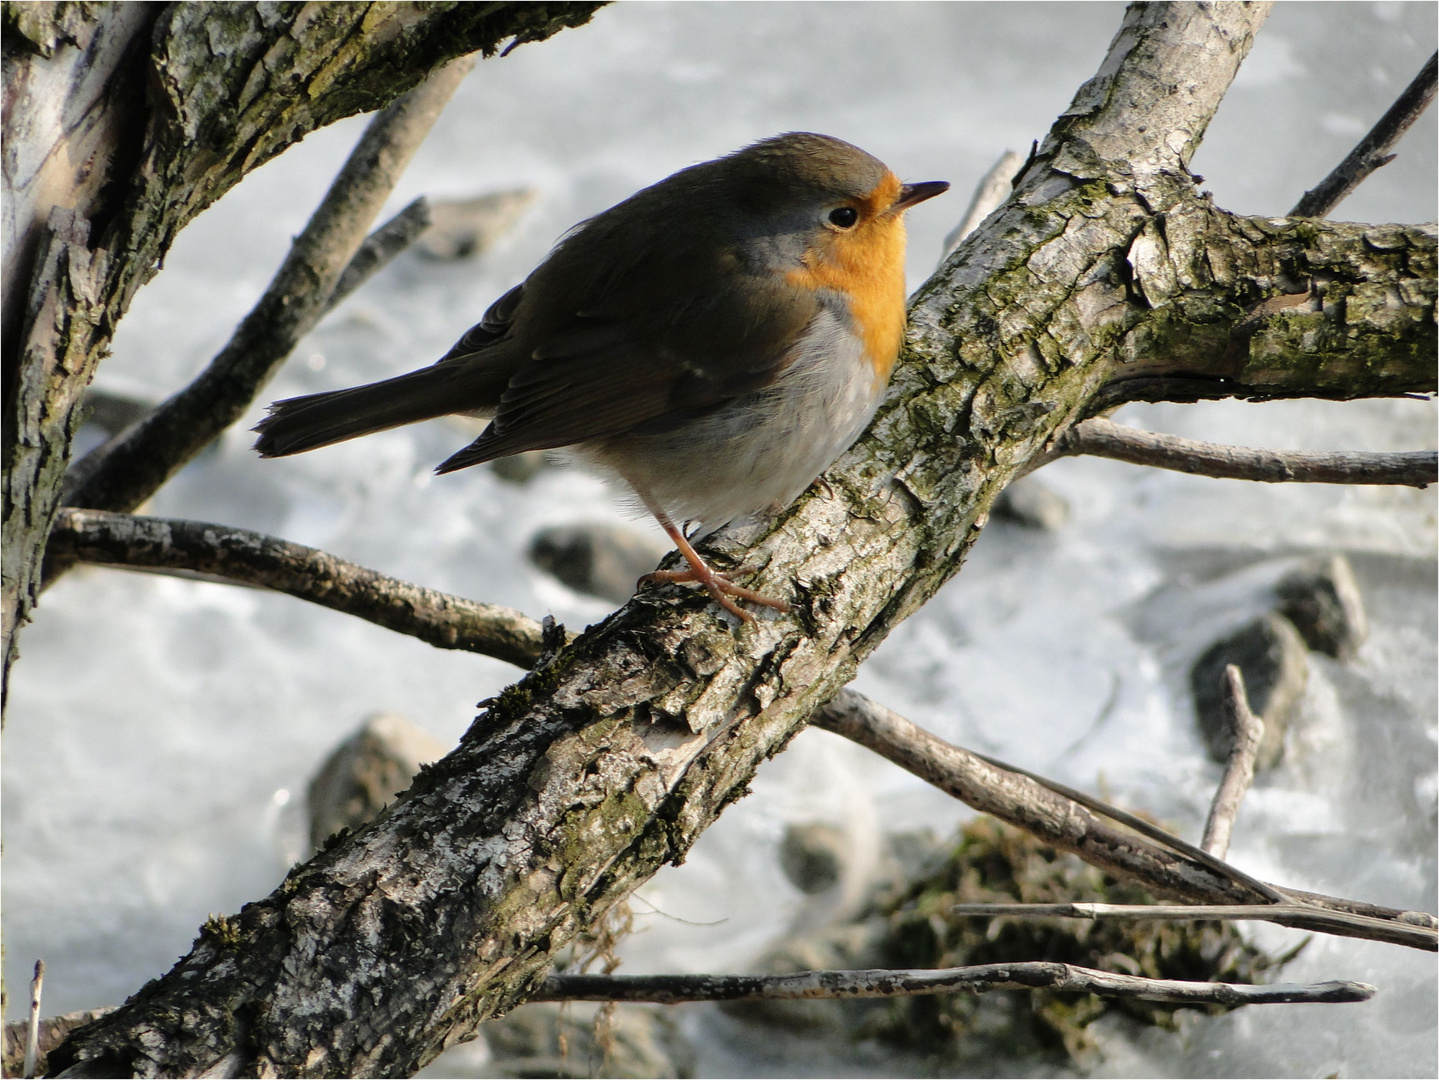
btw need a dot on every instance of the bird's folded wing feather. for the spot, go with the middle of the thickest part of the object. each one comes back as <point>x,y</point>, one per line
<point>613,356</point>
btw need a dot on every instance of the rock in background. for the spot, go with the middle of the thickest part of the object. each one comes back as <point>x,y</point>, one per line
<point>1031,503</point>
<point>463,228</point>
<point>595,558</point>
<point>1316,605</point>
<point>1272,657</point>
<point>1321,598</point>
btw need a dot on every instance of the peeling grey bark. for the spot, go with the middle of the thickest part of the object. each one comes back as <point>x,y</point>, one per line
<point>576,785</point>
<point>124,121</point>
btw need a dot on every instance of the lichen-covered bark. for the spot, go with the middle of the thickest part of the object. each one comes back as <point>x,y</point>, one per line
<point>1269,308</point>
<point>124,121</point>
<point>576,785</point>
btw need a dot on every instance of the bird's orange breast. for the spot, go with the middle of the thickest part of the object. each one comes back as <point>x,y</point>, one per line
<point>866,265</point>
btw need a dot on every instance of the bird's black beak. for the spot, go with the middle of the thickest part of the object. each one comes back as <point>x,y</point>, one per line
<point>912,194</point>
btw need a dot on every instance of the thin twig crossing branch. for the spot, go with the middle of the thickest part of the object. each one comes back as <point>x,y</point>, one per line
<point>1373,150</point>
<point>1104,438</point>
<point>979,979</point>
<point>1248,731</point>
<point>1026,975</point>
<point>1275,913</point>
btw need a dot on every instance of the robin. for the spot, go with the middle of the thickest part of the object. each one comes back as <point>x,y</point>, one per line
<point>715,341</point>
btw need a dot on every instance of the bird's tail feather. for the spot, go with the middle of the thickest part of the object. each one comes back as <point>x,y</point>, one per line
<point>304,423</point>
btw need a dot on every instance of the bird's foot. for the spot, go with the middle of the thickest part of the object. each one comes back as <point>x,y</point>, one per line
<point>719,586</point>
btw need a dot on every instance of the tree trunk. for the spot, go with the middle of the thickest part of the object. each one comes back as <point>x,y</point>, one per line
<point>1106,277</point>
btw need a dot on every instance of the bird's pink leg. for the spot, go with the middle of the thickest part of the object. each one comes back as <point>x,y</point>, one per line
<point>719,586</point>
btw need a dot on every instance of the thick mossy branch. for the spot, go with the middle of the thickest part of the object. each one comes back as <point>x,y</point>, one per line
<point>1270,308</point>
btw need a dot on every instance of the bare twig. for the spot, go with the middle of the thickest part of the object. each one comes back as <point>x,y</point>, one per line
<point>1027,975</point>
<point>1248,730</point>
<point>1275,913</point>
<point>1373,150</point>
<point>993,188</point>
<point>32,1032</point>
<point>152,451</point>
<point>1104,438</point>
<point>1062,817</point>
<point>250,558</point>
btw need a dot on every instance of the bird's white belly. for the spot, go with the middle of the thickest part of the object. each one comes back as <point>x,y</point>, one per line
<point>758,453</point>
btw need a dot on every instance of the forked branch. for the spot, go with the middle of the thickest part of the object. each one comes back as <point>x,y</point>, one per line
<point>1065,819</point>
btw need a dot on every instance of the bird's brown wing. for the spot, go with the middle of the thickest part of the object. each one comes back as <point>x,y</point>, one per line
<point>496,322</point>
<point>623,355</point>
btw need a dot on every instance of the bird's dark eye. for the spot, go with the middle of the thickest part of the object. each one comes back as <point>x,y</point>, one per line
<point>844,217</point>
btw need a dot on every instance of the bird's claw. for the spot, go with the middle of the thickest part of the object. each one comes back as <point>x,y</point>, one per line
<point>720,587</point>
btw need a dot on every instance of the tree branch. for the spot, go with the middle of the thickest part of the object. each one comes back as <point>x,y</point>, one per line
<point>381,246</point>
<point>250,558</point>
<point>1064,818</point>
<point>979,979</point>
<point>1247,730</point>
<point>1373,150</point>
<point>1270,308</point>
<point>1098,437</point>
<point>132,467</point>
